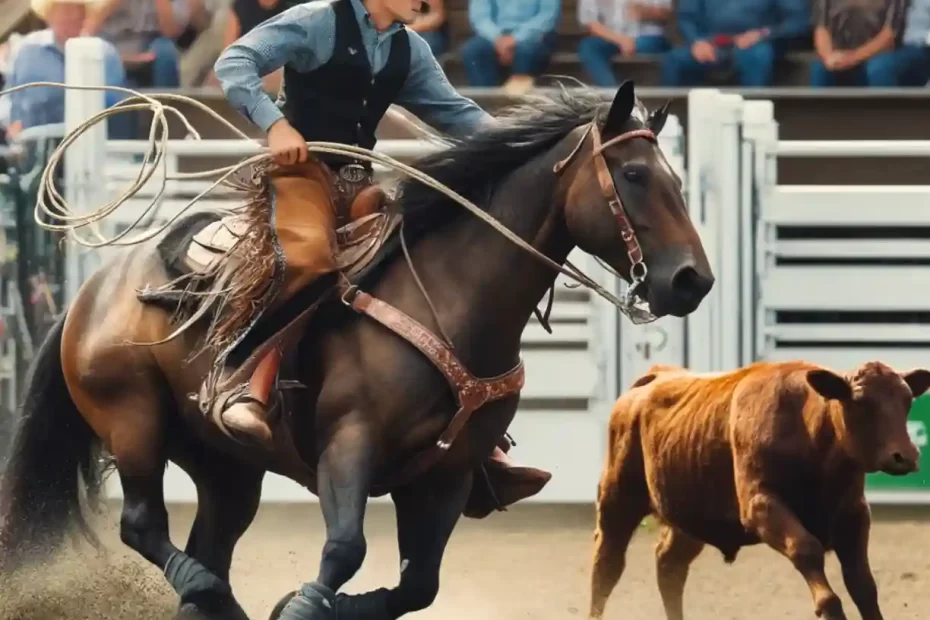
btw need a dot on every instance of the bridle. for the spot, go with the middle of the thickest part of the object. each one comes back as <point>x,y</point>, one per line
<point>636,309</point>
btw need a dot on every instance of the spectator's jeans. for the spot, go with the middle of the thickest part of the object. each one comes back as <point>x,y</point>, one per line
<point>438,41</point>
<point>165,69</point>
<point>596,53</point>
<point>483,69</point>
<point>905,66</point>
<point>754,65</point>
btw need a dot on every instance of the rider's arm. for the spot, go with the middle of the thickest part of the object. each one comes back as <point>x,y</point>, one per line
<point>429,95</point>
<point>302,36</point>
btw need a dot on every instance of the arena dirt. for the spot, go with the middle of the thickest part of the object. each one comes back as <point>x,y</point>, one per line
<point>531,562</point>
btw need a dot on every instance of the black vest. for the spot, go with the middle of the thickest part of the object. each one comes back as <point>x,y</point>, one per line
<point>342,100</point>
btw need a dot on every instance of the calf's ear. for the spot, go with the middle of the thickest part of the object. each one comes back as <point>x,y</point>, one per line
<point>646,379</point>
<point>829,384</point>
<point>918,380</point>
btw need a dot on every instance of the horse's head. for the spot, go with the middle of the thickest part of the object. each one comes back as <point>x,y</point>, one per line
<point>623,204</point>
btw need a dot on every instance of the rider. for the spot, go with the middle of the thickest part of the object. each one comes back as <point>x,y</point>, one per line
<point>345,62</point>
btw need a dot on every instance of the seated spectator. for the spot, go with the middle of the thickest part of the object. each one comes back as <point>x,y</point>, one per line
<point>857,43</point>
<point>143,31</point>
<point>41,58</point>
<point>742,35</point>
<point>627,27</point>
<point>243,16</point>
<point>515,34</point>
<point>434,27</point>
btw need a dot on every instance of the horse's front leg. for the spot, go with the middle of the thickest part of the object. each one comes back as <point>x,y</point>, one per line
<point>343,482</point>
<point>427,512</point>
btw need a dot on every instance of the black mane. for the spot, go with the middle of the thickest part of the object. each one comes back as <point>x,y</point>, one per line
<point>477,163</point>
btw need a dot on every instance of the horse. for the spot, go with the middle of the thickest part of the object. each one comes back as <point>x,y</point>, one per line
<point>566,170</point>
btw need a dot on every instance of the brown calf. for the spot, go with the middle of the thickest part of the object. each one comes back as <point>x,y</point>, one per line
<point>773,452</point>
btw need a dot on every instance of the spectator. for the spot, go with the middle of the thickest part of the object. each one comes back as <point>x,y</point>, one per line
<point>856,43</point>
<point>143,31</point>
<point>518,34</point>
<point>242,17</point>
<point>434,27</point>
<point>627,27</point>
<point>41,58</point>
<point>742,35</point>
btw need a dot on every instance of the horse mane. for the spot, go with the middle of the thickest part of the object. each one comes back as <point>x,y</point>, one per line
<point>475,164</point>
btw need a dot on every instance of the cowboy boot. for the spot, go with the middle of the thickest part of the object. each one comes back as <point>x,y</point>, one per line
<point>511,482</point>
<point>501,483</point>
<point>245,408</point>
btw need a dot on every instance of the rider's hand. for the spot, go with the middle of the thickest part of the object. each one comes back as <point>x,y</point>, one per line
<point>287,146</point>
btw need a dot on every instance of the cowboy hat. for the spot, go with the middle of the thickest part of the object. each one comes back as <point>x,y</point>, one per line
<point>41,7</point>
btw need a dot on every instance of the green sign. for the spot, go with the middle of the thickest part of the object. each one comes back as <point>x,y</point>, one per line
<point>918,425</point>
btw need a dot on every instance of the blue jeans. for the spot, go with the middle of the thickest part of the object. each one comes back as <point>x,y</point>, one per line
<point>438,41</point>
<point>482,67</point>
<point>165,71</point>
<point>905,66</point>
<point>754,65</point>
<point>596,53</point>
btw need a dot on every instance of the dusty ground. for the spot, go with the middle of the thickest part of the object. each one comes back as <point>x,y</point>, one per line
<point>529,563</point>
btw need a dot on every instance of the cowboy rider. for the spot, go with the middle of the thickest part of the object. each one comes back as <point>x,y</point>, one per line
<point>345,62</point>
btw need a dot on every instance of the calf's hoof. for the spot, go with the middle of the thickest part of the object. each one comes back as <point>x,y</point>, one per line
<point>312,602</point>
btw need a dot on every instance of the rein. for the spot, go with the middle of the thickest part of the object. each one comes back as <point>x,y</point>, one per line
<point>158,146</point>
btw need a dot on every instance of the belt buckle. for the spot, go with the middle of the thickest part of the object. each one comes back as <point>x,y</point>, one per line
<point>353,173</point>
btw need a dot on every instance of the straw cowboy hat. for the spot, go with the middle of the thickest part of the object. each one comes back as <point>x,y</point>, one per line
<point>42,7</point>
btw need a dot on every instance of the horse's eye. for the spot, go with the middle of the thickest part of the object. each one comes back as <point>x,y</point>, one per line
<point>635,175</point>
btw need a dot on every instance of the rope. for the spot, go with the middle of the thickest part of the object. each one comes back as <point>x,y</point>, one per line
<point>157,145</point>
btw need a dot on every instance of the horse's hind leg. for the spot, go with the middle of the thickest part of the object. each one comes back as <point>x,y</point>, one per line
<point>228,495</point>
<point>137,443</point>
<point>675,552</point>
<point>343,484</point>
<point>622,503</point>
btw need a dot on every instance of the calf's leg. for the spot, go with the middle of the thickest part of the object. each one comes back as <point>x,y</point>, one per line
<point>851,542</point>
<point>674,553</point>
<point>779,528</point>
<point>622,504</point>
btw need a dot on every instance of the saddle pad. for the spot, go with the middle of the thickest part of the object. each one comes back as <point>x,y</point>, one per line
<point>214,241</point>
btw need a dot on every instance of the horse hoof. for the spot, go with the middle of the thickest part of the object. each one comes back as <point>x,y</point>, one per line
<point>312,602</point>
<point>190,611</point>
<point>279,607</point>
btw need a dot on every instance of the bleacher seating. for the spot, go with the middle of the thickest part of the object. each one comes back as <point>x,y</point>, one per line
<point>644,69</point>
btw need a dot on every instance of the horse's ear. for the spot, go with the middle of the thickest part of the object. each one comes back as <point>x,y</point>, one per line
<point>657,119</point>
<point>621,108</point>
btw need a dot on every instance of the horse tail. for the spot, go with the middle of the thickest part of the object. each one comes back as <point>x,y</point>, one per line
<point>53,448</point>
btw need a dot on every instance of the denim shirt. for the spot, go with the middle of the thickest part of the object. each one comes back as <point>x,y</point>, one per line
<point>304,37</point>
<point>45,62</point>
<point>700,19</point>
<point>526,20</point>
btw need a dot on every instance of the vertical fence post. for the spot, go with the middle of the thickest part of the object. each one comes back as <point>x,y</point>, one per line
<point>701,146</point>
<point>760,134</point>
<point>85,159</point>
<point>727,173</point>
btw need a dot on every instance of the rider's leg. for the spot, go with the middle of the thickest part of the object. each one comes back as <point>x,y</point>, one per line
<point>305,222</point>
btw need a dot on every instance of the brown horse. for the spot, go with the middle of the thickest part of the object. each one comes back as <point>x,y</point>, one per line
<point>369,402</point>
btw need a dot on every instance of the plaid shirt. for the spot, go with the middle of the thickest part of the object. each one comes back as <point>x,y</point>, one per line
<point>613,14</point>
<point>852,23</point>
<point>134,24</point>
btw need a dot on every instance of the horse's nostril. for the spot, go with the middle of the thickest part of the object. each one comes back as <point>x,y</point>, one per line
<point>689,284</point>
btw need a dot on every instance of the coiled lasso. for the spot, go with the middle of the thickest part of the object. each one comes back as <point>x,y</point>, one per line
<point>51,203</point>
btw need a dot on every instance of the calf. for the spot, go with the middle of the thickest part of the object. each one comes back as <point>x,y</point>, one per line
<point>773,452</point>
